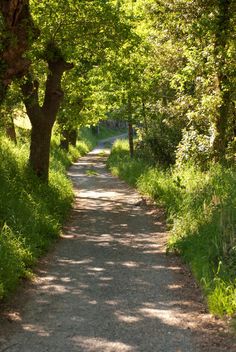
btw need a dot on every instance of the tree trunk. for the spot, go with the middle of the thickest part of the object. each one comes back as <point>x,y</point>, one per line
<point>10,131</point>
<point>43,118</point>
<point>144,116</point>
<point>73,137</point>
<point>221,125</point>
<point>18,33</point>
<point>64,143</point>
<point>130,128</point>
<point>40,149</point>
<point>131,139</point>
<point>223,116</point>
<point>68,137</point>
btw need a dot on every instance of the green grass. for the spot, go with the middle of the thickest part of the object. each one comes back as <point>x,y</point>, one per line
<point>201,210</point>
<point>32,213</point>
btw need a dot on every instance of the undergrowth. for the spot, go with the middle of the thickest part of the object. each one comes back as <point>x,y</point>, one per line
<point>201,211</point>
<point>32,213</point>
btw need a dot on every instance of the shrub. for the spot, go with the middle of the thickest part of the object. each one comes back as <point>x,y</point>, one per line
<point>195,148</point>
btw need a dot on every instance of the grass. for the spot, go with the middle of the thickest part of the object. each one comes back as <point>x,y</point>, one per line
<point>91,172</point>
<point>201,211</point>
<point>32,213</point>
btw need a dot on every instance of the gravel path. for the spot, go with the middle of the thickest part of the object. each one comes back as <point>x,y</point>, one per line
<point>108,286</point>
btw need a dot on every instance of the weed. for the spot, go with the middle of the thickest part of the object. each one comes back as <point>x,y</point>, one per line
<point>91,172</point>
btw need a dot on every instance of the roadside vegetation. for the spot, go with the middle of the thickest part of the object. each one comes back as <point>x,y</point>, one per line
<point>201,215</point>
<point>166,70</point>
<point>31,212</point>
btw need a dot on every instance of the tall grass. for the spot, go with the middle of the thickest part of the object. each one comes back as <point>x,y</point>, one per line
<point>31,213</point>
<point>201,210</point>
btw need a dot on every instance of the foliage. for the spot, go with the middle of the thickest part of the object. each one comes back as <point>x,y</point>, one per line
<point>181,76</point>
<point>201,212</point>
<point>194,148</point>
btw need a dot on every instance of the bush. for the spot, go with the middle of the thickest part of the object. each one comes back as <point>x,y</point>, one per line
<point>159,141</point>
<point>195,148</point>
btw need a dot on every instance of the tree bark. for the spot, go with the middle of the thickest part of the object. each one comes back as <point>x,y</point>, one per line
<point>223,80</point>
<point>73,137</point>
<point>144,116</point>
<point>64,143</point>
<point>40,149</point>
<point>68,137</point>
<point>130,128</point>
<point>43,118</point>
<point>20,31</point>
<point>131,139</point>
<point>10,131</point>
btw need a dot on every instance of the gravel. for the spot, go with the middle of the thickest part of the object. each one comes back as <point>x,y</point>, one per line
<point>108,285</point>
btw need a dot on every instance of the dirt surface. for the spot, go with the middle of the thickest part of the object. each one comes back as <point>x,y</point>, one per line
<point>108,285</point>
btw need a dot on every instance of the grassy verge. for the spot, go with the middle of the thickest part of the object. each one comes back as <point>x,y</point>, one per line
<point>32,213</point>
<point>201,210</point>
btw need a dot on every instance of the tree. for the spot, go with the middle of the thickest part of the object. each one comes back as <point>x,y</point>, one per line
<point>17,33</point>
<point>224,28</point>
<point>193,47</point>
<point>70,31</point>
<point>42,118</point>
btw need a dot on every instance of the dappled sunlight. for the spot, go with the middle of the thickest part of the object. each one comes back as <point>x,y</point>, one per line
<point>101,345</point>
<point>74,262</point>
<point>130,264</point>
<point>167,316</point>
<point>124,318</point>
<point>110,286</point>
<point>56,289</point>
<point>40,330</point>
<point>97,194</point>
<point>95,269</point>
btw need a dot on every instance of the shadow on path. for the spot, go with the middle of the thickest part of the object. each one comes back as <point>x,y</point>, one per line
<point>109,287</point>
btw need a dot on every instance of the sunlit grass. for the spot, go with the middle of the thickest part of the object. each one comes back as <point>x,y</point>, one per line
<point>31,213</point>
<point>201,210</point>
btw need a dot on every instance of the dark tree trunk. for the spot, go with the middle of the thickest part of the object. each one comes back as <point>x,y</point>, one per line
<point>64,143</point>
<point>68,137</point>
<point>43,118</point>
<point>131,139</point>
<point>10,131</point>
<point>40,149</point>
<point>19,32</point>
<point>144,116</point>
<point>223,116</point>
<point>73,137</point>
<point>130,128</point>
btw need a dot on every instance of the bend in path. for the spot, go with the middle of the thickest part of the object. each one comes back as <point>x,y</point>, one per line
<point>109,286</point>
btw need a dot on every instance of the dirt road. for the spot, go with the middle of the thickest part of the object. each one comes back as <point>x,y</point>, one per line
<point>108,286</point>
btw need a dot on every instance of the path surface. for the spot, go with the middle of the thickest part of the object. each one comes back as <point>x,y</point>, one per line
<point>108,285</point>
